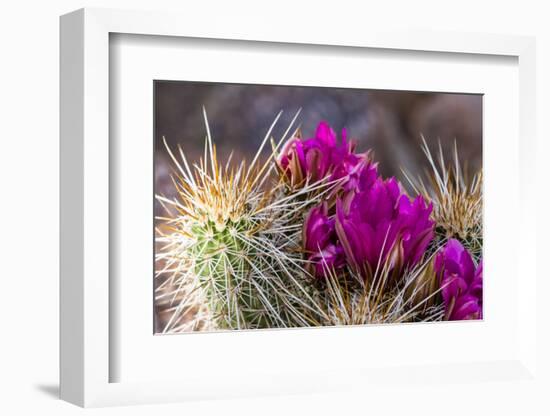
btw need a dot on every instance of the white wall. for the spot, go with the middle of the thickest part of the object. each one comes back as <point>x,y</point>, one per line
<point>29,178</point>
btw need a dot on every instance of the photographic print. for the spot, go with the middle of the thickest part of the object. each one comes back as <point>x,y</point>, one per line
<point>292,207</point>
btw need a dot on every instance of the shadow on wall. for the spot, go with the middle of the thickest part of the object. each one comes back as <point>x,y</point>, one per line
<point>51,390</point>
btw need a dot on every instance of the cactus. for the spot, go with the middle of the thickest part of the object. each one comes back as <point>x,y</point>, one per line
<point>236,252</point>
<point>457,201</point>
<point>234,243</point>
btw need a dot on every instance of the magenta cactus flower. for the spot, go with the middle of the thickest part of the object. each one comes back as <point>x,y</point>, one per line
<point>380,219</point>
<point>321,157</point>
<point>320,242</point>
<point>373,218</point>
<point>461,282</point>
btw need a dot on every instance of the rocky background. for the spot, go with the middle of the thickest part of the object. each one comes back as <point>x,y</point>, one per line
<point>389,122</point>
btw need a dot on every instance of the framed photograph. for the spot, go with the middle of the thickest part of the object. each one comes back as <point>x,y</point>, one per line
<point>287,213</point>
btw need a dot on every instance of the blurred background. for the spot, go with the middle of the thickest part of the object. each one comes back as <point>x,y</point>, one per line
<point>389,122</point>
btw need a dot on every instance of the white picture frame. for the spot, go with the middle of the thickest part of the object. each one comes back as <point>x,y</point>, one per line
<point>86,356</point>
